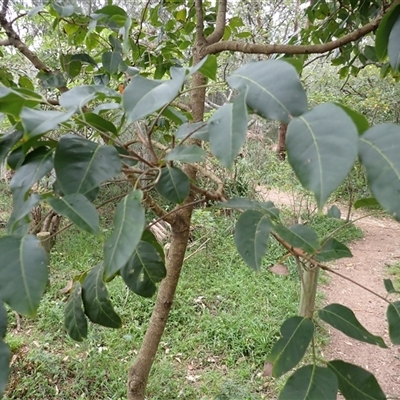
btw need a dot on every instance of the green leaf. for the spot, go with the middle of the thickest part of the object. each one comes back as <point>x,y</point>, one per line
<point>12,101</point>
<point>355,382</point>
<point>394,45</point>
<point>51,79</point>
<point>332,250</point>
<point>37,122</point>
<point>275,90</point>
<point>25,82</point>
<point>111,61</point>
<point>37,164</point>
<point>19,221</point>
<point>240,203</point>
<point>299,236</point>
<point>129,221</point>
<point>251,237</point>
<point>384,30</point>
<point>227,129</point>
<point>393,317</point>
<point>83,58</point>
<point>209,67</point>
<point>79,210</point>
<point>77,97</point>
<point>286,353</point>
<point>142,96</point>
<point>144,270</point>
<point>97,304</point>
<point>322,148</point>
<point>23,273</point>
<point>75,320</point>
<point>389,286</point>
<point>111,11</point>
<point>366,202</point>
<point>149,237</point>
<point>379,150</point>
<point>63,11</point>
<point>3,320</point>
<point>173,184</point>
<point>5,358</point>
<point>359,120</point>
<point>189,154</point>
<point>82,165</point>
<point>344,320</point>
<point>311,383</point>
<point>197,130</point>
<point>99,123</point>
<point>7,142</point>
<point>334,212</point>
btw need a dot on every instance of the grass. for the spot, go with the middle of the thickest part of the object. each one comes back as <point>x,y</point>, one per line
<point>221,328</point>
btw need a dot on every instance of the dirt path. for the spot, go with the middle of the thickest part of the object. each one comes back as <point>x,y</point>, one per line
<point>368,266</point>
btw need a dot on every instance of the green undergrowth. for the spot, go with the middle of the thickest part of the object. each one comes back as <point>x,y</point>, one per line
<point>223,323</point>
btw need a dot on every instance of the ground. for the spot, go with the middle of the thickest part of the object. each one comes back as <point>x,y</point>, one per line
<point>372,255</point>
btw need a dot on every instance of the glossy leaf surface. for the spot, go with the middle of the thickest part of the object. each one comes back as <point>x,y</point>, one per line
<point>23,261</point>
<point>286,353</point>
<point>82,165</point>
<point>75,319</point>
<point>251,237</point>
<point>144,270</point>
<point>95,297</point>
<point>355,382</point>
<point>274,89</point>
<point>322,147</point>
<point>344,319</point>
<point>379,150</point>
<point>128,223</point>
<point>311,383</point>
<point>79,210</point>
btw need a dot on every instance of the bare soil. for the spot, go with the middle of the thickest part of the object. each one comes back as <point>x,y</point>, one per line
<point>372,255</point>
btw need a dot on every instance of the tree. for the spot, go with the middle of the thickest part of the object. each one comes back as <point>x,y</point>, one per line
<point>76,123</point>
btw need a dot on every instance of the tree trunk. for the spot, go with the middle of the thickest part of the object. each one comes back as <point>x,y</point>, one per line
<point>281,146</point>
<point>139,371</point>
<point>180,228</point>
<point>308,292</point>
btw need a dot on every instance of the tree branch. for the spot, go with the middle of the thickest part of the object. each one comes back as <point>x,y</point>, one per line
<point>5,42</point>
<point>216,36</point>
<point>267,49</point>
<point>200,22</point>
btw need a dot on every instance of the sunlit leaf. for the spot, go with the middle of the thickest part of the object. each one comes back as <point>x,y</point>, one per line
<point>310,382</point>
<point>82,165</point>
<point>209,67</point>
<point>275,90</point>
<point>343,319</point>
<point>322,148</point>
<point>97,304</point>
<point>129,223</point>
<point>23,273</point>
<point>173,184</point>
<point>366,202</point>
<point>227,129</point>
<point>189,154</point>
<point>144,270</point>
<point>142,96</point>
<point>251,237</point>
<point>286,353</point>
<point>355,382</point>
<point>75,319</point>
<point>393,317</point>
<point>37,122</point>
<point>78,209</point>
<point>379,150</point>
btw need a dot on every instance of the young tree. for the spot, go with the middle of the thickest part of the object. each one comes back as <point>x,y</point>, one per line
<point>76,123</point>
